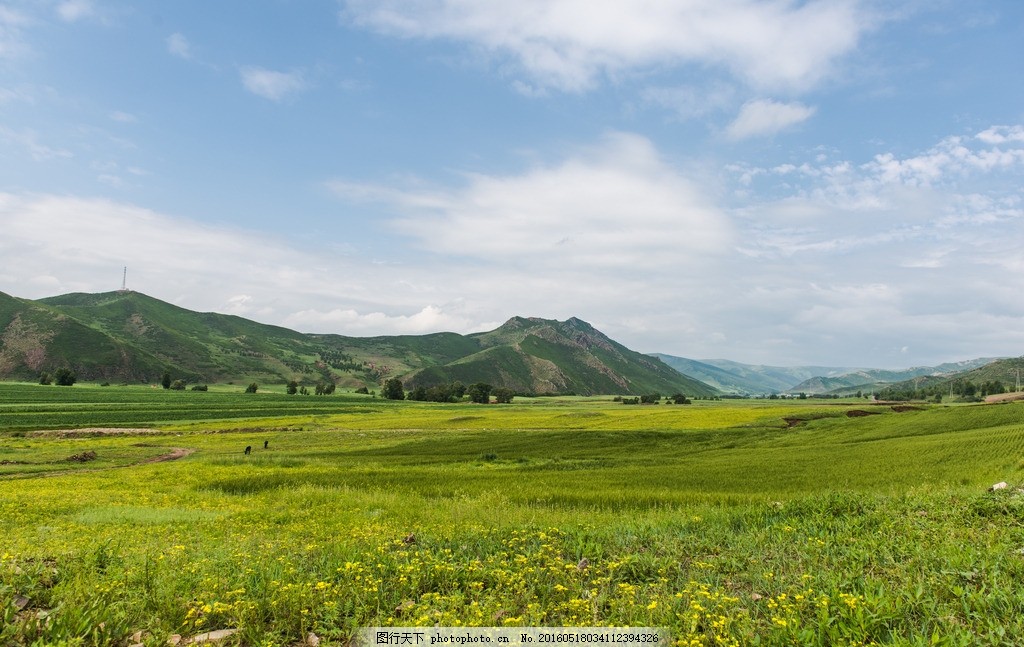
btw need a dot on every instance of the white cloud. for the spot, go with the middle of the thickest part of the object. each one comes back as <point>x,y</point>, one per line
<point>428,320</point>
<point>271,84</point>
<point>614,205</point>
<point>570,44</point>
<point>1002,134</point>
<point>179,46</point>
<point>75,10</point>
<point>57,244</point>
<point>762,117</point>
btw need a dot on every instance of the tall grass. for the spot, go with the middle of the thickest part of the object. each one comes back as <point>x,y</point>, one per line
<point>720,522</point>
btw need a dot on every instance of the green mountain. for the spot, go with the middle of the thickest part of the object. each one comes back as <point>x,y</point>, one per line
<point>1009,372</point>
<point>545,356</point>
<point>128,336</point>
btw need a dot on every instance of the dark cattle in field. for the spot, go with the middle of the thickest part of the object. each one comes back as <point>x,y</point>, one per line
<point>248,448</point>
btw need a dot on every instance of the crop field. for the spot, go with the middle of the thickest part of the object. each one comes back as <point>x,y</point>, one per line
<point>727,523</point>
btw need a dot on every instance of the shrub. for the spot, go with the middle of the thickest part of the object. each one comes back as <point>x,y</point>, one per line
<point>178,385</point>
<point>200,387</point>
<point>64,377</point>
<point>480,393</point>
<point>393,389</point>
<point>252,388</point>
<point>44,378</point>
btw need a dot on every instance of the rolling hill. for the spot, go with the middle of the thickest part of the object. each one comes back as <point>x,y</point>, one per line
<point>131,337</point>
<point>873,379</point>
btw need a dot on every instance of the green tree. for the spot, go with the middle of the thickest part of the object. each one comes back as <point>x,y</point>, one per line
<point>479,393</point>
<point>458,390</point>
<point>64,377</point>
<point>503,395</point>
<point>293,387</point>
<point>165,381</point>
<point>252,388</point>
<point>393,389</point>
<point>44,378</point>
<point>178,385</point>
<point>329,389</point>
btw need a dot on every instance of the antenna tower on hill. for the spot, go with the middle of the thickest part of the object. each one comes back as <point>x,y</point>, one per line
<point>124,280</point>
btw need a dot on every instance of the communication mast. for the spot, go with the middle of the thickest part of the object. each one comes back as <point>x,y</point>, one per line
<point>124,280</point>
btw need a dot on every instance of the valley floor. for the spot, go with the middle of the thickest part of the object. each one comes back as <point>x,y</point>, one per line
<point>728,523</point>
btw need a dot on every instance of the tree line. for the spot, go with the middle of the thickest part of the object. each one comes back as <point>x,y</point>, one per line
<point>480,392</point>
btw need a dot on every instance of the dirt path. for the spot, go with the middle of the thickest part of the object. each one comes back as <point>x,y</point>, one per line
<point>173,455</point>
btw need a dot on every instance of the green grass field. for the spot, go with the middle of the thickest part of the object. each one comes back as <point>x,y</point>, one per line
<point>728,523</point>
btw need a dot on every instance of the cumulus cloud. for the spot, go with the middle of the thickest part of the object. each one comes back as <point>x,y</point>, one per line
<point>614,205</point>
<point>762,117</point>
<point>271,84</point>
<point>570,44</point>
<point>57,244</point>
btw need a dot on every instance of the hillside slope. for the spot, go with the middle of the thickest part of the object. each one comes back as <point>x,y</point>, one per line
<point>873,379</point>
<point>131,337</point>
<point>534,355</point>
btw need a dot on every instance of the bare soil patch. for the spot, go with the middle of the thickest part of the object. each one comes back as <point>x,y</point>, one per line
<point>95,431</point>
<point>1005,397</point>
<point>902,408</point>
<point>860,413</point>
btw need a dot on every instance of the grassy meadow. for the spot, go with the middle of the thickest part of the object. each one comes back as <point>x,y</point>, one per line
<point>728,523</point>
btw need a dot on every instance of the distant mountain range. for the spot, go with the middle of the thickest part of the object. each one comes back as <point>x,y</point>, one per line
<point>871,379</point>
<point>745,379</point>
<point>130,337</point>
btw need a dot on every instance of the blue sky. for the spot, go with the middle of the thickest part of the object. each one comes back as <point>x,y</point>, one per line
<point>779,182</point>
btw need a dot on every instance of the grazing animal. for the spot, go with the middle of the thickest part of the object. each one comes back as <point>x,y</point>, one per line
<point>265,443</point>
<point>248,448</point>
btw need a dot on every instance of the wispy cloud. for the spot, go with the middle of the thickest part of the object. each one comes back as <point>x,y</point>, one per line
<point>569,45</point>
<point>689,102</point>
<point>271,84</point>
<point>12,43</point>
<point>28,140</point>
<point>75,10</point>
<point>123,117</point>
<point>179,45</point>
<point>763,117</point>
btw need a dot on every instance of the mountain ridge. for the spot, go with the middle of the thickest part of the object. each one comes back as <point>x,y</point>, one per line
<point>129,336</point>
